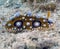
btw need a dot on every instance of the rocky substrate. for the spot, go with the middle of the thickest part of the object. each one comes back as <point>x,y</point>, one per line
<point>29,39</point>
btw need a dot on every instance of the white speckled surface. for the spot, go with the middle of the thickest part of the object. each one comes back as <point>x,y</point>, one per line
<point>29,39</point>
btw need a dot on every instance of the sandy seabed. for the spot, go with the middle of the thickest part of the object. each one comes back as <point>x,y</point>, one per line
<point>29,39</point>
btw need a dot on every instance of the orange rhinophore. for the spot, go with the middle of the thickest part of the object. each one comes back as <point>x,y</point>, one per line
<point>48,14</point>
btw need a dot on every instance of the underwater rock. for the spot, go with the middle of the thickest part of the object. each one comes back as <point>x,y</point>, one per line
<point>13,3</point>
<point>18,45</point>
<point>46,45</point>
<point>8,41</point>
<point>34,39</point>
<point>2,2</point>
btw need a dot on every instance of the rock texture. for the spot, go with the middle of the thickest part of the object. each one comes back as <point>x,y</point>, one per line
<point>49,39</point>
